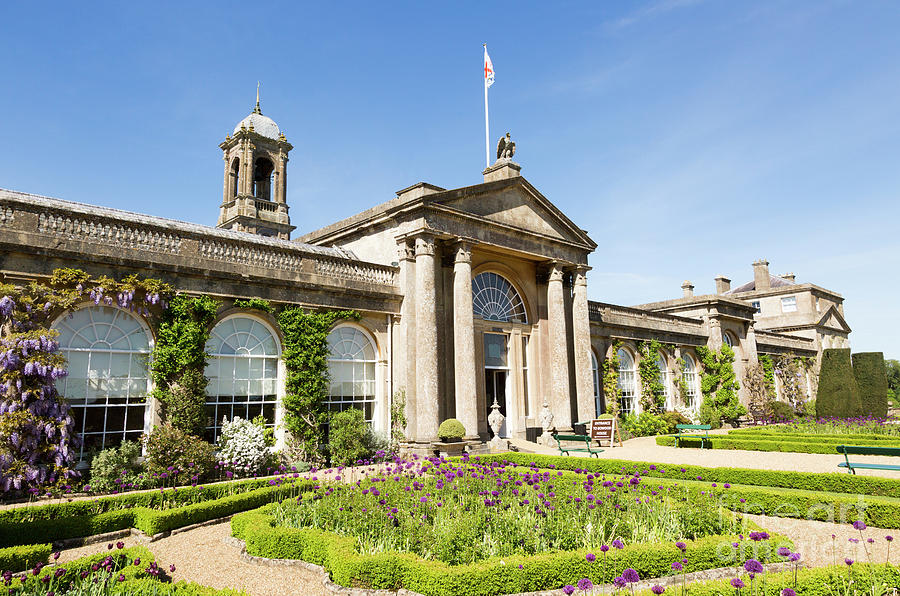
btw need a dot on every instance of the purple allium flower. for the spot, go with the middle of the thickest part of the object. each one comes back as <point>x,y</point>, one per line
<point>584,584</point>
<point>604,548</point>
<point>788,592</point>
<point>848,562</point>
<point>631,576</point>
<point>590,557</point>
<point>784,552</point>
<point>657,589</point>
<point>568,590</point>
<point>619,582</point>
<point>859,525</point>
<point>618,544</point>
<point>889,538</point>
<point>681,546</point>
<point>753,566</point>
<point>677,566</point>
<point>737,583</point>
<point>794,557</point>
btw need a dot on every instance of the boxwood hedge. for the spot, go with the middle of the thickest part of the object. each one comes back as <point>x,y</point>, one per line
<point>20,558</point>
<point>393,570</point>
<point>765,444</point>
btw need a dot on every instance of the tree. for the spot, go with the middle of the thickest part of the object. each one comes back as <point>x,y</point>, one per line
<point>892,368</point>
<point>838,395</point>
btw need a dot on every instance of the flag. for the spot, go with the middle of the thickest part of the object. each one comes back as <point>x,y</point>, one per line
<point>488,69</point>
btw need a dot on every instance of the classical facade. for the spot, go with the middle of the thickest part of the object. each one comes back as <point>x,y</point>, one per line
<point>469,297</point>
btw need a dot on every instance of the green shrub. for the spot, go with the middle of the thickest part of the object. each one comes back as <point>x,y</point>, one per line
<point>186,402</point>
<point>838,394</point>
<point>20,558</point>
<point>871,378</point>
<point>719,386</point>
<point>645,425</point>
<point>786,444</point>
<point>451,429</point>
<point>782,412</point>
<point>672,420</point>
<point>115,467</point>
<point>708,414</point>
<point>170,449</point>
<point>348,437</point>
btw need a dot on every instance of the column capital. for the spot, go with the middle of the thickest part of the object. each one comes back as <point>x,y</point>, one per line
<point>405,251</point>
<point>556,272</point>
<point>424,244</point>
<point>462,251</point>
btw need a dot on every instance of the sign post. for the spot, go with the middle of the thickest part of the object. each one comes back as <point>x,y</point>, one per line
<point>605,429</point>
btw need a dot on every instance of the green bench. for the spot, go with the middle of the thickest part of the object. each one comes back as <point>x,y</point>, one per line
<point>852,450</point>
<point>681,434</point>
<point>578,439</point>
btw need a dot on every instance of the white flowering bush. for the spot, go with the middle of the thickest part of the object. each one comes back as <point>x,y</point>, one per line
<point>242,446</point>
<point>688,412</point>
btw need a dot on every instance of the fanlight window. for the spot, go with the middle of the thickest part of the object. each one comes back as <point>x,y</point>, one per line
<point>495,299</point>
<point>242,372</point>
<point>351,366</point>
<point>627,388</point>
<point>107,350</point>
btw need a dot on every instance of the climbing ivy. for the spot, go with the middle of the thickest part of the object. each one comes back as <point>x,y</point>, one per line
<point>305,354</point>
<point>179,358</point>
<point>611,392</point>
<point>719,386</point>
<point>768,373</point>
<point>254,304</point>
<point>653,393</point>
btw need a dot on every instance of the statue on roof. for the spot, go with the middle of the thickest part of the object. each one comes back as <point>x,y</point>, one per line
<point>506,148</point>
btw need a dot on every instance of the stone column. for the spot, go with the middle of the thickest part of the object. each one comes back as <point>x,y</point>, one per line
<point>426,342</point>
<point>405,339</point>
<point>464,341</point>
<point>559,361</point>
<point>581,327</point>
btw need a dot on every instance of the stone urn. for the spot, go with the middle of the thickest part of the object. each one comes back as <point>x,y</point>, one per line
<point>546,419</point>
<point>495,421</point>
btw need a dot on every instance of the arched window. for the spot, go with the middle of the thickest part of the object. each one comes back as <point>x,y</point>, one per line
<point>242,372</point>
<point>234,176</point>
<point>351,366</point>
<point>263,171</point>
<point>664,377</point>
<point>107,349</point>
<point>495,299</point>
<point>726,339</point>
<point>626,382</point>
<point>689,376</point>
<point>595,374</point>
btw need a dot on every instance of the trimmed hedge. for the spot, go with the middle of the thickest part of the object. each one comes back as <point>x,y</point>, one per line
<point>871,377</point>
<point>838,394</point>
<point>883,440</point>
<point>20,558</point>
<point>838,482</point>
<point>771,434</point>
<point>822,581</point>
<point>767,445</point>
<point>149,521</point>
<point>393,570</point>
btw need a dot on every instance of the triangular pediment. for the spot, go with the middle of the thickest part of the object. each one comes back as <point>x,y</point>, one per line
<point>520,206</point>
<point>833,319</point>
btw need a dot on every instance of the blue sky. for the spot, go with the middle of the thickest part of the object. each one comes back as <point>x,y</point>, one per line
<point>689,138</point>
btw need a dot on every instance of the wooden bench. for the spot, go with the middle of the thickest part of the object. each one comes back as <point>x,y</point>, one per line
<point>852,450</point>
<point>681,434</point>
<point>580,439</point>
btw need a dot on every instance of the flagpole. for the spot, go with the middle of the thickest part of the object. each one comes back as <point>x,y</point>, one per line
<point>487,128</point>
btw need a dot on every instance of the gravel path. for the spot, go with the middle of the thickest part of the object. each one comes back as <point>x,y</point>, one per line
<point>202,556</point>
<point>645,449</point>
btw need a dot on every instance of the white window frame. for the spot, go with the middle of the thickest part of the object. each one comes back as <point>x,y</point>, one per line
<point>627,384</point>
<point>665,377</point>
<point>240,405</point>
<point>341,402</point>
<point>789,304</point>
<point>689,374</point>
<point>136,356</point>
<point>495,298</point>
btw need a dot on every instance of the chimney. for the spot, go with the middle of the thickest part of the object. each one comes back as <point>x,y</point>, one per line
<point>688,289</point>
<point>789,277</point>
<point>761,274</point>
<point>723,284</point>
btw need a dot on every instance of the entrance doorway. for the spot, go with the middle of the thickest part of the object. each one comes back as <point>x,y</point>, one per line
<point>496,374</point>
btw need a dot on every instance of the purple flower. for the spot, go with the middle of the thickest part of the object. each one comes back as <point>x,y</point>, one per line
<point>584,584</point>
<point>657,589</point>
<point>618,544</point>
<point>677,566</point>
<point>737,583</point>
<point>784,552</point>
<point>889,538</point>
<point>794,557</point>
<point>788,592</point>
<point>681,545</point>
<point>619,582</point>
<point>590,557</point>
<point>631,576</point>
<point>848,562</point>
<point>753,566</point>
<point>604,548</point>
<point>568,590</point>
<point>859,525</point>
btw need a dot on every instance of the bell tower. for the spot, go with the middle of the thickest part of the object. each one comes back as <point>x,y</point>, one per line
<point>255,189</point>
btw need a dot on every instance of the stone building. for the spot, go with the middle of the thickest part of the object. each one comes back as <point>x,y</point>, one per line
<point>468,296</point>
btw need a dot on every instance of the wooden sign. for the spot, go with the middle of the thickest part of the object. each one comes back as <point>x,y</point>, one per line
<point>604,429</point>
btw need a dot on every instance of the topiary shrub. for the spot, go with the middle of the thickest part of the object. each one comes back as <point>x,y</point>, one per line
<point>871,377</point>
<point>348,437</point>
<point>838,394</point>
<point>116,468</point>
<point>672,419</point>
<point>242,446</point>
<point>781,411</point>
<point>451,429</point>
<point>645,425</point>
<point>173,452</point>
<point>708,414</point>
